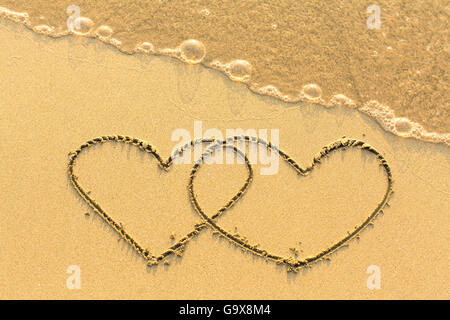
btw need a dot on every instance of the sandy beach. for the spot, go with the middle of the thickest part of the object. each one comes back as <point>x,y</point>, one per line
<point>55,94</point>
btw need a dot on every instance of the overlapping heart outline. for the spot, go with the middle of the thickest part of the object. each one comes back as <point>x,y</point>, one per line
<point>290,262</point>
<point>211,221</point>
<point>179,246</point>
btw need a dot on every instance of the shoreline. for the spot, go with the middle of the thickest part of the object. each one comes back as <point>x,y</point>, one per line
<point>193,52</point>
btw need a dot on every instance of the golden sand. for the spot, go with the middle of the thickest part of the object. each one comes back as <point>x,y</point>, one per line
<point>57,93</point>
<point>332,52</point>
<point>294,264</point>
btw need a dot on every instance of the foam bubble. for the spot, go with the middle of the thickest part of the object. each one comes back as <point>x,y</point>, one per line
<point>312,91</point>
<point>403,126</point>
<point>82,26</point>
<point>273,91</point>
<point>43,28</point>
<point>19,17</point>
<point>145,47</point>
<point>400,126</point>
<point>104,32</point>
<point>239,70</point>
<point>192,51</point>
<point>342,100</point>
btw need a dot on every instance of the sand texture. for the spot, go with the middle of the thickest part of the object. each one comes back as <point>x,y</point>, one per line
<point>56,94</point>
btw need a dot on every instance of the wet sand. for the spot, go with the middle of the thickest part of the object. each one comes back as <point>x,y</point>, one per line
<point>58,93</point>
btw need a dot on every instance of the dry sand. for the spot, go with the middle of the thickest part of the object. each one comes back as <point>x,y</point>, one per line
<point>56,94</point>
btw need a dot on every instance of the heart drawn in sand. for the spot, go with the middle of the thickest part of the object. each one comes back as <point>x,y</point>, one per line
<point>295,264</point>
<point>211,220</point>
<point>178,247</point>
